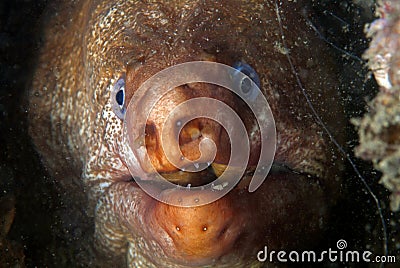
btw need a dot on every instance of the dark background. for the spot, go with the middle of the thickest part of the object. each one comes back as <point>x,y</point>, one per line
<point>37,235</point>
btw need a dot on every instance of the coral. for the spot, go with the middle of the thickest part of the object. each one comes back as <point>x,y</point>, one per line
<point>379,129</point>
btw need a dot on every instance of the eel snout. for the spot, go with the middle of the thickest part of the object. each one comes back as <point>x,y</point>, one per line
<point>179,143</point>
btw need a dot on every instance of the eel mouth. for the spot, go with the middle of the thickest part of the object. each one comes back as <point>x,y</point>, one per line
<point>233,228</point>
<point>195,235</point>
<point>200,235</point>
<point>210,172</point>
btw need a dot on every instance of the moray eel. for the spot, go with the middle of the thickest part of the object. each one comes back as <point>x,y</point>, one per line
<point>96,54</point>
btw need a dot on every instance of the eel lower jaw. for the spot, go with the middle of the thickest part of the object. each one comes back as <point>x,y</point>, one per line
<point>231,229</point>
<point>194,236</point>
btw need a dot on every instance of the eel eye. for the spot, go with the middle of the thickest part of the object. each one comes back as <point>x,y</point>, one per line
<point>246,86</point>
<point>118,98</point>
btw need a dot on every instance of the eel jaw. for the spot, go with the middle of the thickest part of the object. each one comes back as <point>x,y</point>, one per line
<point>229,231</point>
<point>195,235</point>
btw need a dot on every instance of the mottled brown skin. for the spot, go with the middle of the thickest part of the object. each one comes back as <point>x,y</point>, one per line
<point>88,45</point>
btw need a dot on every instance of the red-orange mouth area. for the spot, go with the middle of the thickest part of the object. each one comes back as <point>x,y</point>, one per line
<point>239,223</point>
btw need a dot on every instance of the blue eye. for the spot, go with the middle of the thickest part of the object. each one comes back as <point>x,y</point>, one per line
<point>246,87</point>
<point>118,98</point>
